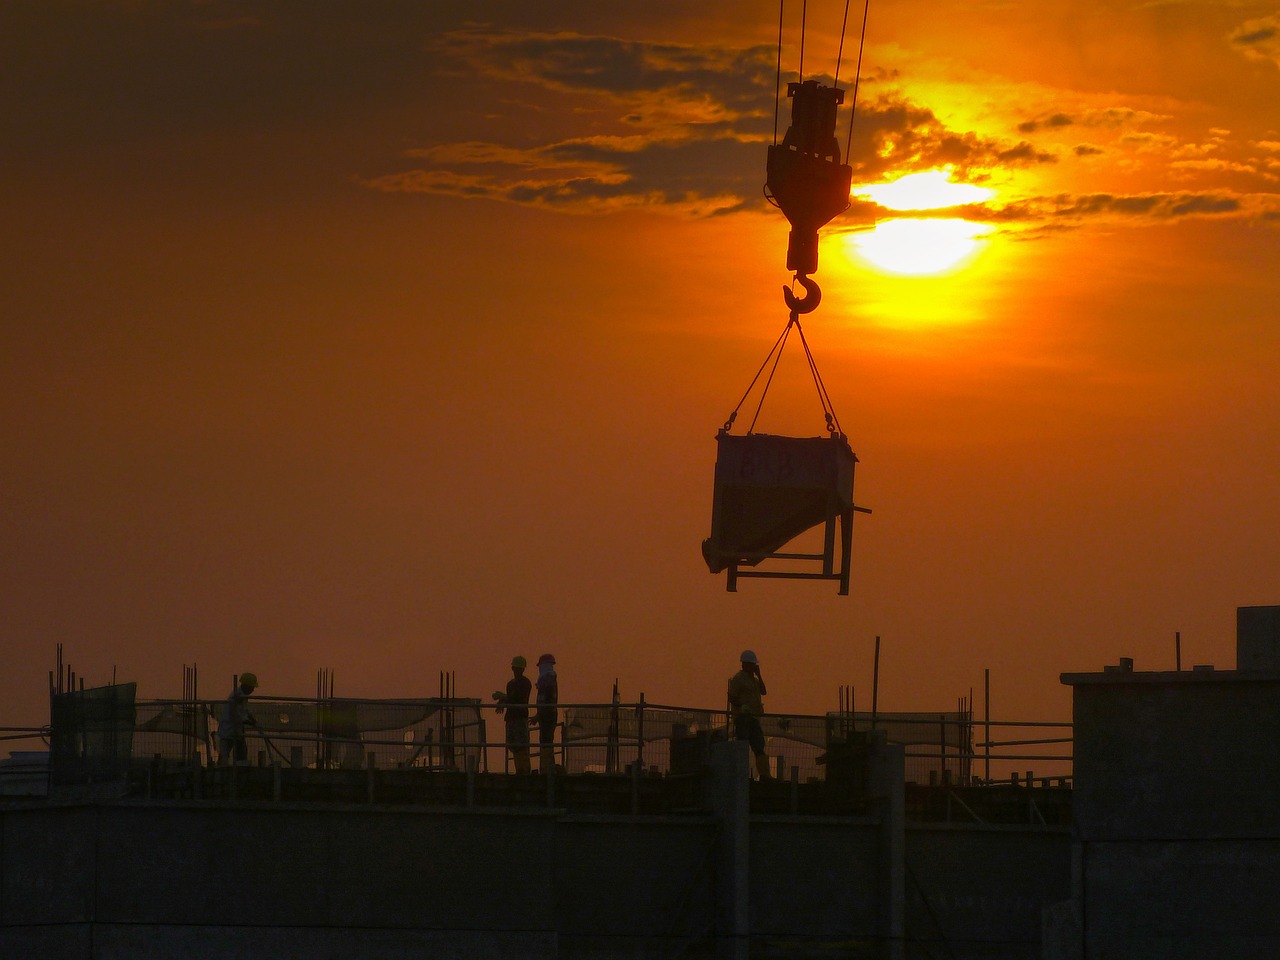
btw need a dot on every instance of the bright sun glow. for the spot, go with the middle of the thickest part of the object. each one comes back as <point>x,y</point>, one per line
<point>918,246</point>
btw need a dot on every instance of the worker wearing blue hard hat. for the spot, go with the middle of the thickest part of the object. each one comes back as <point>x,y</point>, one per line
<point>548,684</point>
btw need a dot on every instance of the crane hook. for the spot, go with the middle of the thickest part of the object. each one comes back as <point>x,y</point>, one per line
<point>812,297</point>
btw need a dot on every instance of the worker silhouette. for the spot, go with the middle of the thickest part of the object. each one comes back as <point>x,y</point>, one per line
<point>234,718</point>
<point>746,688</point>
<point>517,717</point>
<point>548,685</point>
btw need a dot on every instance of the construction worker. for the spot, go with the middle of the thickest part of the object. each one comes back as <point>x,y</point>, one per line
<point>517,717</point>
<point>548,693</point>
<point>746,688</point>
<point>234,718</point>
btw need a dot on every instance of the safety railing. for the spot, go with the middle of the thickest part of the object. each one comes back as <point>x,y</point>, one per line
<point>25,771</point>
<point>587,738</point>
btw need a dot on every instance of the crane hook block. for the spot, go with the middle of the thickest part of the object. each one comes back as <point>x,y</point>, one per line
<point>804,175</point>
<point>812,295</point>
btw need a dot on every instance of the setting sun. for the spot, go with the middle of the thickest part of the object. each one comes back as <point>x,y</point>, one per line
<point>917,246</point>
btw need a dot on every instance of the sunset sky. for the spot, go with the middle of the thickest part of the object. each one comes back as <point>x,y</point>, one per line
<point>393,338</point>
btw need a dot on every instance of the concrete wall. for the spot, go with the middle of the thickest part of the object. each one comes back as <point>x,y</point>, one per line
<point>632,887</point>
<point>1176,816</point>
<point>271,881</point>
<point>1157,756</point>
<point>979,891</point>
<point>101,880</point>
<point>815,879</point>
<point>1182,900</point>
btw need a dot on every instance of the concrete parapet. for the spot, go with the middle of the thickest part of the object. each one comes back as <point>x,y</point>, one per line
<point>269,880</point>
<point>131,941</point>
<point>1258,638</point>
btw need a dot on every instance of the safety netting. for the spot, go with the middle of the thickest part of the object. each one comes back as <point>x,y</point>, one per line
<point>609,739</point>
<point>428,733</point>
<point>91,734</point>
<point>97,733</point>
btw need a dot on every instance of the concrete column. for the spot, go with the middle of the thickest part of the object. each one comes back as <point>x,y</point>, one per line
<point>886,777</point>
<point>729,801</point>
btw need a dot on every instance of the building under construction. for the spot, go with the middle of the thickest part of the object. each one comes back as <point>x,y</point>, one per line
<point>388,829</point>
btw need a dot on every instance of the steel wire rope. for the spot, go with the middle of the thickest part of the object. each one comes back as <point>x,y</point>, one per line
<point>777,77</point>
<point>782,343</point>
<point>775,354</point>
<point>828,408</point>
<point>844,24</point>
<point>804,19</point>
<point>777,345</point>
<point>857,74</point>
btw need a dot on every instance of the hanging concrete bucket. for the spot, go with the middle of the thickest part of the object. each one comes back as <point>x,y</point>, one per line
<point>768,491</point>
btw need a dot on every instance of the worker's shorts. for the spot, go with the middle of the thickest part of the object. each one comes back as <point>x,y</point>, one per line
<point>518,734</point>
<point>233,747</point>
<point>746,727</point>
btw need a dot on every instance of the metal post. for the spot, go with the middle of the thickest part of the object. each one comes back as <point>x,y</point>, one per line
<point>875,684</point>
<point>942,750</point>
<point>986,724</point>
<point>640,733</point>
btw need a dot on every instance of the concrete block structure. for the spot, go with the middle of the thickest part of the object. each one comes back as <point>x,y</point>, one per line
<point>1176,809</point>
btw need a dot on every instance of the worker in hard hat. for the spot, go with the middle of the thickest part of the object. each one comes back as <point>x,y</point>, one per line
<point>517,717</point>
<point>234,718</point>
<point>548,685</point>
<point>746,688</point>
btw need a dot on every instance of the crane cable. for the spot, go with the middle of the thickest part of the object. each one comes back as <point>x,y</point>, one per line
<point>775,352</point>
<point>775,355</point>
<point>857,75</point>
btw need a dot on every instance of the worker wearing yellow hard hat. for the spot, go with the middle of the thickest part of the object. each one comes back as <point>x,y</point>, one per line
<point>517,717</point>
<point>234,718</point>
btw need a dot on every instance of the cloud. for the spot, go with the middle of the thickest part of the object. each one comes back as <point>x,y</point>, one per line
<point>695,83</point>
<point>685,128</point>
<point>682,130</point>
<point>592,175</point>
<point>1259,39</point>
<point>1132,208</point>
<point>1049,122</point>
<point>1037,215</point>
<point>1120,117</point>
<point>1213,164</point>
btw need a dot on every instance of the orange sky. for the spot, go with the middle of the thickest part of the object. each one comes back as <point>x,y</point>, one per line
<point>393,338</point>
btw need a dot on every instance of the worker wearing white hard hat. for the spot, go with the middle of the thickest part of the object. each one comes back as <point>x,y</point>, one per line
<point>746,690</point>
<point>234,718</point>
